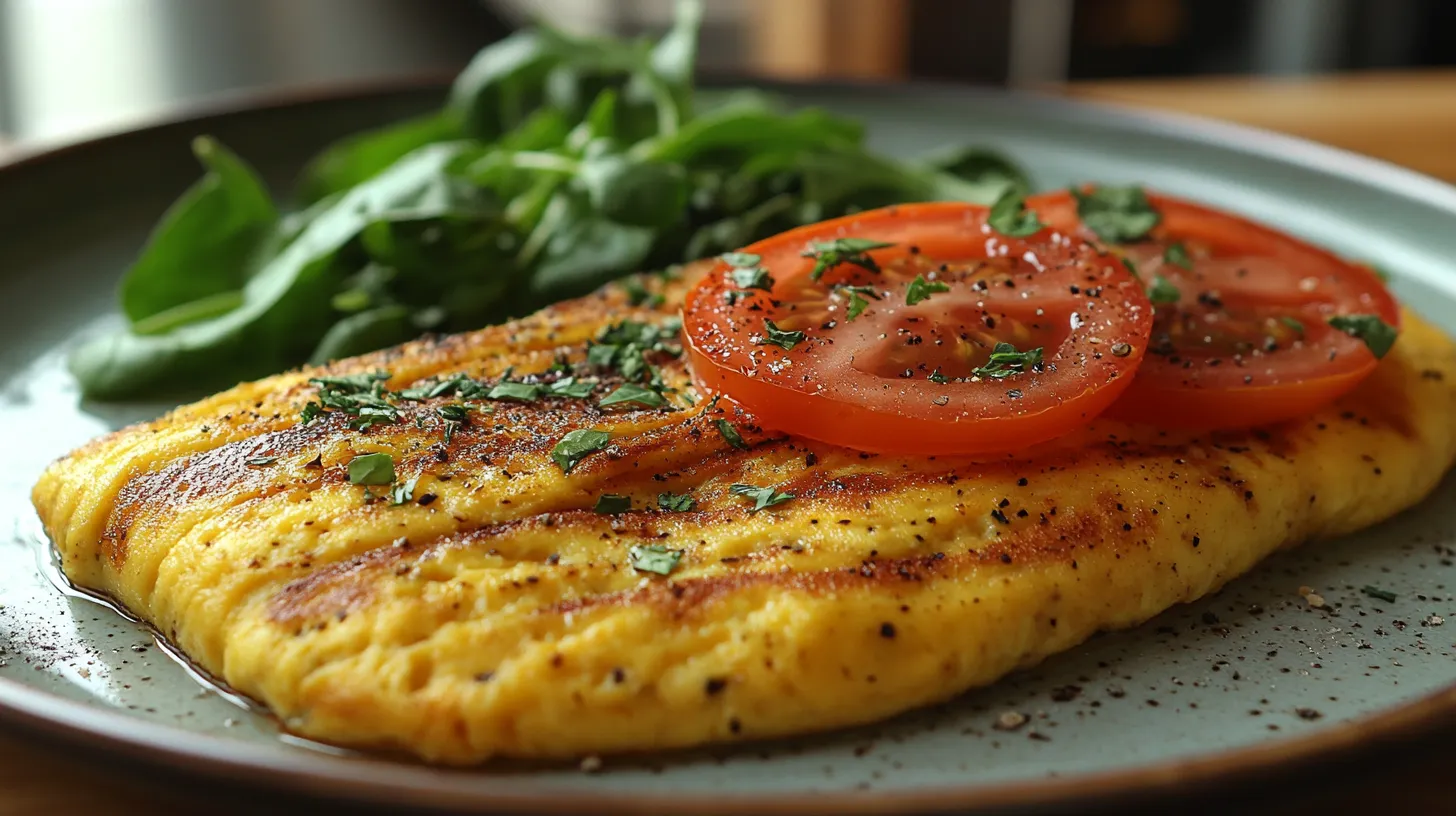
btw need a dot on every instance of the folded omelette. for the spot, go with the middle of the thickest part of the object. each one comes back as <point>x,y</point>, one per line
<point>532,575</point>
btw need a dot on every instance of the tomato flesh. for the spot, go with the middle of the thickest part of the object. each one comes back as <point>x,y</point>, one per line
<point>920,378</point>
<point>1248,340</point>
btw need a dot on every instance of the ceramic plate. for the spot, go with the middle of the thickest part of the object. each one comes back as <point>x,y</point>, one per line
<point>1247,680</point>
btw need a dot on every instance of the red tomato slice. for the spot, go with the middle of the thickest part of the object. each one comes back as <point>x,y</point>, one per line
<point>921,377</point>
<point>1248,341</point>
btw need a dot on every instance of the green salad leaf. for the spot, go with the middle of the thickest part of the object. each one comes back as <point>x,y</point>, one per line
<point>558,163</point>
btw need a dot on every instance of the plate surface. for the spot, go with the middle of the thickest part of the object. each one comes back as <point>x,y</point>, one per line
<point>1249,677</point>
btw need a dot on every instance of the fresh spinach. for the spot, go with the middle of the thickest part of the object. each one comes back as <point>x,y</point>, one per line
<point>558,163</point>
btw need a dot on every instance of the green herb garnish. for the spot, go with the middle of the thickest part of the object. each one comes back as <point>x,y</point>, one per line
<point>676,502</point>
<point>654,558</point>
<point>624,347</point>
<point>761,496</point>
<point>610,504</point>
<point>371,469</point>
<point>578,445</point>
<point>921,289</point>
<point>1009,215</point>
<point>1117,215</point>
<point>857,302</point>
<point>852,251</point>
<point>774,336</point>
<point>1006,361</point>
<point>1177,255</point>
<point>939,378</point>
<point>1131,267</point>
<point>1163,291</point>
<point>1376,592</point>
<point>748,273</point>
<point>730,434</point>
<point>403,492</point>
<point>631,392</point>
<point>1378,335</point>
<point>516,391</point>
<point>1292,323</point>
<point>571,387</point>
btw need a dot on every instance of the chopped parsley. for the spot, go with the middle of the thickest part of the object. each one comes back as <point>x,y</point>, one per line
<point>1163,291</point>
<point>1177,255</point>
<point>1292,323</point>
<point>631,392</point>
<point>937,377</point>
<point>610,504</point>
<point>1009,215</point>
<point>741,260</point>
<point>455,416</point>
<point>571,387</point>
<point>730,434</point>
<point>624,346</point>
<point>852,251</point>
<point>578,445</point>
<point>761,496</point>
<point>638,295</point>
<point>857,302</point>
<point>755,278</point>
<point>517,391</point>
<point>371,469</point>
<point>1006,361</point>
<point>676,502</point>
<point>1131,267</point>
<point>921,289</point>
<point>1378,335</point>
<point>403,492</point>
<point>1116,214</point>
<point>774,336</point>
<point>361,396</point>
<point>1376,592</point>
<point>654,558</point>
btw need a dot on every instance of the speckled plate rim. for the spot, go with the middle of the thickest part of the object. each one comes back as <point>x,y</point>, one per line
<point>385,782</point>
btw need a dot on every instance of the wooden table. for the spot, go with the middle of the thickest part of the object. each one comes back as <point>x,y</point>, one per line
<point>1409,119</point>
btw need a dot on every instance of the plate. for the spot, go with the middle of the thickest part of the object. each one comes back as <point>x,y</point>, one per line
<point>1248,680</point>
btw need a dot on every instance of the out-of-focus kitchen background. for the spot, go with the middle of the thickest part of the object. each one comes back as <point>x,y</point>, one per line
<point>71,67</point>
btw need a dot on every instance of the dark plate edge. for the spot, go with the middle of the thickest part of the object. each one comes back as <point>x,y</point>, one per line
<point>386,782</point>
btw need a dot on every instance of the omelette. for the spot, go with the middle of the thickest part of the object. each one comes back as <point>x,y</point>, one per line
<point>530,574</point>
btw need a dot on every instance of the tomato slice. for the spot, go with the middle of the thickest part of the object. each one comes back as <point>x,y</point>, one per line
<point>896,349</point>
<point>1242,335</point>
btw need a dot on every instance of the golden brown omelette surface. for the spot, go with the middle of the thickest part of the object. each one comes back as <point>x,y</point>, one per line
<point>496,614</point>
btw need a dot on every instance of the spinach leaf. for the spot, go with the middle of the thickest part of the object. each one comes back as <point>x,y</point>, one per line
<point>205,244</point>
<point>356,159</point>
<point>364,332</point>
<point>639,194</point>
<point>283,315</point>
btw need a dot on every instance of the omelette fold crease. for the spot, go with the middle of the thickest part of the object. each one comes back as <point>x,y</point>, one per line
<point>495,614</point>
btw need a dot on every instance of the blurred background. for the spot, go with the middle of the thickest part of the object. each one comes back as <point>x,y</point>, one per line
<point>70,67</point>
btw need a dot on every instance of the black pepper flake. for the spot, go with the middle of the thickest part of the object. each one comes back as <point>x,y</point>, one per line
<point>715,685</point>
<point>1065,694</point>
<point>1196,539</point>
<point>1308,713</point>
<point>1121,349</point>
<point>426,500</point>
<point>1000,516</point>
<point>887,630</point>
<point>1014,393</point>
